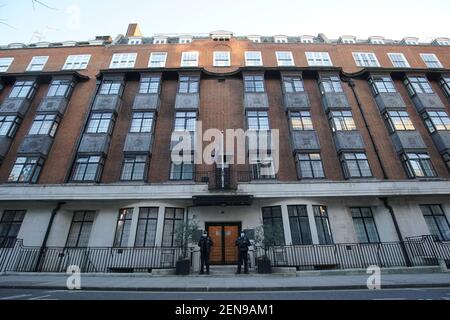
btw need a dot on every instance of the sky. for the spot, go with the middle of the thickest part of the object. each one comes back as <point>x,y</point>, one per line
<point>78,20</point>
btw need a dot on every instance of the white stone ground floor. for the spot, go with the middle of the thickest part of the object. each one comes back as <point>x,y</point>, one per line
<point>405,198</point>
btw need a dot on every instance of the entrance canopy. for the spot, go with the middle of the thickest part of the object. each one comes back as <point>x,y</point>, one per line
<point>233,200</point>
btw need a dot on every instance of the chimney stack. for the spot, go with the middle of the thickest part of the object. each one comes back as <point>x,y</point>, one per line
<point>134,30</point>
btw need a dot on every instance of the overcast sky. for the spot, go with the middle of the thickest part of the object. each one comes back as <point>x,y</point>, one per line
<point>84,19</point>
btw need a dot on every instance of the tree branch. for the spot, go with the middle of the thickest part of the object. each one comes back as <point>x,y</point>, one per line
<point>42,4</point>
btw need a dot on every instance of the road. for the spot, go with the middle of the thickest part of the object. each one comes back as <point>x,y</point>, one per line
<point>398,294</point>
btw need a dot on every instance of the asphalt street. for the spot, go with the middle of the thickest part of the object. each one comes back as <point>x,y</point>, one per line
<point>391,294</point>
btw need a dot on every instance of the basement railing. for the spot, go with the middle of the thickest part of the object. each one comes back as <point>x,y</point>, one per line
<point>420,251</point>
<point>19,258</point>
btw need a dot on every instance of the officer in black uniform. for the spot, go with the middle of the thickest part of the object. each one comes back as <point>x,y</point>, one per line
<point>243,243</point>
<point>205,243</point>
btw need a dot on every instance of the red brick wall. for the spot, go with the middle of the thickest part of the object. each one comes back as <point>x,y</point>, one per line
<point>221,105</point>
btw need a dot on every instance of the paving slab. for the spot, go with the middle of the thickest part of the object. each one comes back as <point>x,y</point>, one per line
<point>218,283</point>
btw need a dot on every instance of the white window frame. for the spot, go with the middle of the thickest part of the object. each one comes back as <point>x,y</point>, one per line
<point>222,64</point>
<point>281,63</point>
<point>5,63</point>
<point>189,63</point>
<point>35,62</point>
<point>123,60</point>
<point>360,57</point>
<point>399,54</point>
<point>162,64</point>
<point>434,57</point>
<point>77,62</point>
<point>318,59</point>
<point>250,63</point>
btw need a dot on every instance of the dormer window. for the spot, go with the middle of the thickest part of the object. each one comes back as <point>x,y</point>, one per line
<point>411,41</point>
<point>307,39</point>
<point>254,39</point>
<point>376,40</point>
<point>442,42</point>
<point>281,39</point>
<point>221,35</point>
<point>348,40</point>
<point>160,40</point>
<point>185,40</point>
<point>134,41</point>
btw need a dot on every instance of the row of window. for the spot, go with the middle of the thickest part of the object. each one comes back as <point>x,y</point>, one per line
<point>82,222</point>
<point>332,84</point>
<point>142,122</point>
<point>145,236</point>
<point>343,121</point>
<point>223,59</point>
<point>252,84</point>
<point>135,167</point>
<point>363,221</point>
<point>285,39</point>
<point>27,168</point>
<point>349,40</point>
<point>89,168</point>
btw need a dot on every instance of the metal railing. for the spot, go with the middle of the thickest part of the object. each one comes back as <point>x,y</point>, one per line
<point>228,178</point>
<point>217,179</point>
<point>89,260</point>
<point>413,252</point>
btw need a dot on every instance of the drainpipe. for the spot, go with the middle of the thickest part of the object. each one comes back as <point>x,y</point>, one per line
<point>351,84</point>
<point>47,233</point>
<point>83,130</point>
<point>185,235</point>
<point>397,229</point>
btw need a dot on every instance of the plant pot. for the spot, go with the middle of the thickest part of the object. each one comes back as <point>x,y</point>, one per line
<point>264,266</point>
<point>183,267</point>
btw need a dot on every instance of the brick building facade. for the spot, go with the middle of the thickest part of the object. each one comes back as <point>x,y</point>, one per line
<point>86,139</point>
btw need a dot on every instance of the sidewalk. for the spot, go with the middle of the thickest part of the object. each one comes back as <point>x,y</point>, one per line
<point>221,284</point>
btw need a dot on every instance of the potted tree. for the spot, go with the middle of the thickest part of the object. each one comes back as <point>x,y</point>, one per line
<point>184,233</point>
<point>265,237</point>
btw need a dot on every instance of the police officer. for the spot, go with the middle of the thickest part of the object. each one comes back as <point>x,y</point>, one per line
<point>205,243</point>
<point>243,243</point>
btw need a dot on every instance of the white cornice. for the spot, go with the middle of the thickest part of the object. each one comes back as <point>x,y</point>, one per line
<point>257,190</point>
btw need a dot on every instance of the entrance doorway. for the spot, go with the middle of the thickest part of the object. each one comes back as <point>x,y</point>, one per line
<point>224,235</point>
